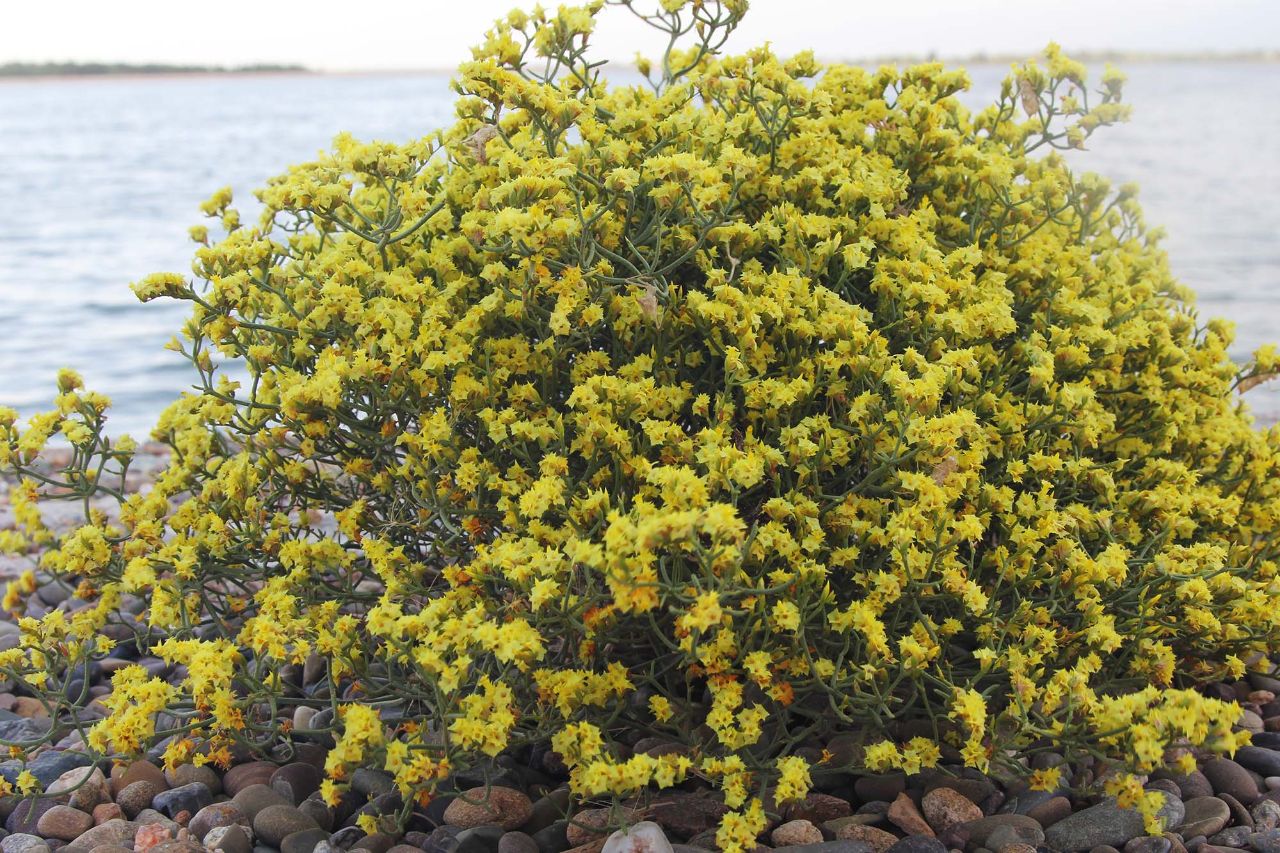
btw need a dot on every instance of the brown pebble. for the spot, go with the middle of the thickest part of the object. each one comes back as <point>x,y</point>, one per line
<point>818,808</point>
<point>64,823</point>
<point>795,832</point>
<point>1050,811</point>
<point>946,807</point>
<point>506,807</point>
<point>139,771</point>
<point>904,815</point>
<point>105,812</point>
<point>877,839</point>
<point>136,797</point>
<point>29,706</point>
<point>591,825</point>
<point>243,775</point>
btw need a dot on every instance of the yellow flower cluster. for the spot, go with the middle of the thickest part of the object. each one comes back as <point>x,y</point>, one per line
<point>764,397</point>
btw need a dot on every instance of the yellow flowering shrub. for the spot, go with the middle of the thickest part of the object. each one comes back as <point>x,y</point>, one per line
<point>750,403</point>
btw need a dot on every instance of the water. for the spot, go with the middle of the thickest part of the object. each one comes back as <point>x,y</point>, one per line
<point>103,177</point>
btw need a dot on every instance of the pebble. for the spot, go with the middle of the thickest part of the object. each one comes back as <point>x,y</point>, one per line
<point>369,782</point>
<point>273,823</point>
<point>1228,777</point>
<point>296,781</point>
<point>479,839</point>
<point>1267,841</point>
<point>138,771</point>
<point>87,786</point>
<point>882,786</point>
<point>215,815</point>
<point>825,847</point>
<point>1204,816</point>
<point>106,812</point>
<point>945,807</point>
<point>506,807</point>
<point>229,839</point>
<point>151,835</point>
<point>64,823</point>
<point>647,837</point>
<point>26,814</point>
<point>110,832</point>
<point>379,842</point>
<point>185,774</point>
<point>255,798</point>
<point>1194,784</point>
<point>303,841</point>
<point>1259,760</point>
<point>1050,811</point>
<point>979,831</point>
<point>244,775</point>
<point>589,825</point>
<point>550,839</point>
<point>1106,824</point>
<point>136,796</point>
<point>904,815</point>
<point>877,839</point>
<point>319,811</point>
<point>918,844</point>
<point>21,842</point>
<point>817,808</point>
<point>512,842</point>
<point>795,832</point>
<point>1232,836</point>
<point>1265,814</point>
<point>189,798</point>
<point>1002,836</point>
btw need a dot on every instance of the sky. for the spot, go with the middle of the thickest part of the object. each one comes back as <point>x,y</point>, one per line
<point>338,35</point>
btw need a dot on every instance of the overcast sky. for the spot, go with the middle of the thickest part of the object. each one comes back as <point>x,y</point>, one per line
<point>415,34</point>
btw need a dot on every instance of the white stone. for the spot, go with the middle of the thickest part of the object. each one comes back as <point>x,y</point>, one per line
<point>644,837</point>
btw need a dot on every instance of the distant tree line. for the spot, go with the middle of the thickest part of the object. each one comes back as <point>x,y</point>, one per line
<point>87,69</point>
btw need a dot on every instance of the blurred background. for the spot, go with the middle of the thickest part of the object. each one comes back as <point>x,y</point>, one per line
<point>107,149</point>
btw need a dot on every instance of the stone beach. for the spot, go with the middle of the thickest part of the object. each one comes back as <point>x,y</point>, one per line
<point>521,804</point>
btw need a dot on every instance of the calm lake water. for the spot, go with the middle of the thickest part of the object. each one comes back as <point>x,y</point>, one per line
<point>105,176</point>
